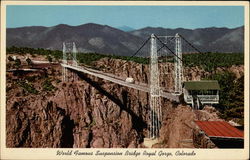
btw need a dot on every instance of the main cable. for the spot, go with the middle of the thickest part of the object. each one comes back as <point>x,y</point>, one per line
<point>136,52</point>
<point>164,43</point>
<point>190,44</point>
<point>167,47</point>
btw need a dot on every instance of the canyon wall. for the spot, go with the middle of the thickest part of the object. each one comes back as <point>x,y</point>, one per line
<point>92,112</point>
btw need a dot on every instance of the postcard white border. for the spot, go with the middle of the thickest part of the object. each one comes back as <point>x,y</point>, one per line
<point>45,153</point>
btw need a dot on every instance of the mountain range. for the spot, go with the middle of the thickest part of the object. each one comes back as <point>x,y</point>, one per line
<point>126,28</point>
<point>108,40</point>
<point>206,39</point>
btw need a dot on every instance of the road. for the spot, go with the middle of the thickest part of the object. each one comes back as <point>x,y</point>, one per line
<point>118,80</point>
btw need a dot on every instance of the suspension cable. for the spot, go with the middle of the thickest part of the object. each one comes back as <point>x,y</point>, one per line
<point>164,43</point>
<point>160,48</point>
<point>126,61</point>
<point>190,44</point>
<point>167,47</point>
<point>141,47</point>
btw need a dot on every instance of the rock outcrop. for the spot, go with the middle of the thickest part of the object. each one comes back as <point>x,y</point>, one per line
<point>92,112</point>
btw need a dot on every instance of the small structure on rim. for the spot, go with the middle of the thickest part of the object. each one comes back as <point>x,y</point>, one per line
<point>198,93</point>
<point>221,134</point>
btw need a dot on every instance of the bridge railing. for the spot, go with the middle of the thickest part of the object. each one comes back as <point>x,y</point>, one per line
<point>204,99</point>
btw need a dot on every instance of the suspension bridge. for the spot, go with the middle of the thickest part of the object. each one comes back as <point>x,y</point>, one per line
<point>153,88</point>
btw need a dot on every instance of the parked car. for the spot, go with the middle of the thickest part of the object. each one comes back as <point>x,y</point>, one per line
<point>129,80</point>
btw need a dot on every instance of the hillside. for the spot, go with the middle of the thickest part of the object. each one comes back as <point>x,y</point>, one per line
<point>88,38</point>
<point>206,39</point>
<point>108,40</point>
<point>126,28</point>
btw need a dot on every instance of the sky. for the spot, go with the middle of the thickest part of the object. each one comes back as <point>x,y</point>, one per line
<point>137,17</point>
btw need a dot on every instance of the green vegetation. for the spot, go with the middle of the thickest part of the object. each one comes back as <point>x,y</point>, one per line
<point>32,78</point>
<point>231,104</point>
<point>140,60</point>
<point>207,61</point>
<point>210,61</point>
<point>88,58</point>
<point>17,63</point>
<point>47,85</point>
<point>49,58</point>
<point>29,62</point>
<point>85,58</point>
<point>27,86</point>
<point>39,51</point>
<point>10,58</point>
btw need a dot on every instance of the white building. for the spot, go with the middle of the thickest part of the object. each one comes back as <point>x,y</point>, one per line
<point>198,93</point>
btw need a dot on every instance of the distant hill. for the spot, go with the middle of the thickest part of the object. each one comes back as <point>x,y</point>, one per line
<point>88,38</point>
<point>206,39</point>
<point>126,28</point>
<point>108,40</point>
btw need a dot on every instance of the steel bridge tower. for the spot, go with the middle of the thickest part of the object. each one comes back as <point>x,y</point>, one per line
<point>155,103</point>
<point>64,61</point>
<point>74,51</point>
<point>69,53</point>
<point>178,65</point>
<point>155,90</point>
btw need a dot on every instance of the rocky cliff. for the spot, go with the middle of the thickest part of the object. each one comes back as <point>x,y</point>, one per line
<point>92,112</point>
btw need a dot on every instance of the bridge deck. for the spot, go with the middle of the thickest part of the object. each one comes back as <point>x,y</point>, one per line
<point>118,80</point>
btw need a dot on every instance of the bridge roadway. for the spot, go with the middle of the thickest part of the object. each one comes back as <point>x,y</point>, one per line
<point>118,80</point>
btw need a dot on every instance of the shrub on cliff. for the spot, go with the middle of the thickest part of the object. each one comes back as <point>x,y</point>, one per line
<point>10,58</point>
<point>28,87</point>
<point>47,85</point>
<point>49,58</point>
<point>17,63</point>
<point>29,62</point>
<point>231,103</point>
